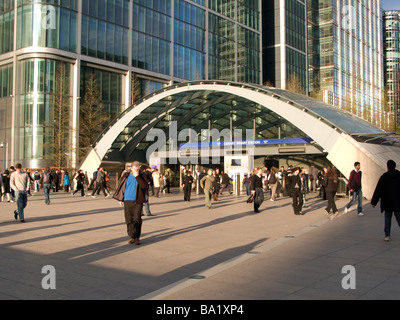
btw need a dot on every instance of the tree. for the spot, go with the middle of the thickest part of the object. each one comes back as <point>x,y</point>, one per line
<point>92,118</point>
<point>58,144</point>
<point>294,84</point>
<point>136,91</point>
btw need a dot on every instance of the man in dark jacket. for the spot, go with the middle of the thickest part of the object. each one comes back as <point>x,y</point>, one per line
<point>388,191</point>
<point>256,188</point>
<point>131,193</point>
<point>354,186</point>
<point>296,193</point>
<point>226,180</point>
<point>187,186</point>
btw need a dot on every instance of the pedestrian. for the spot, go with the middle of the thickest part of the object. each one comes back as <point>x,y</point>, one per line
<point>146,176</point>
<point>246,182</point>
<point>156,182</point>
<point>131,193</point>
<point>107,180</point>
<point>331,183</point>
<point>226,180</point>
<point>12,193</point>
<point>80,183</point>
<point>207,184</point>
<point>56,181</point>
<point>47,179</point>
<point>100,182</point>
<point>256,188</point>
<point>354,186</point>
<point>272,183</point>
<point>321,177</point>
<point>187,185</point>
<point>168,180</point>
<point>388,192</point>
<point>19,182</point>
<point>6,186</point>
<point>313,178</point>
<point>67,183</point>
<point>297,196</point>
<point>36,178</point>
<point>216,185</point>
<point>1,186</point>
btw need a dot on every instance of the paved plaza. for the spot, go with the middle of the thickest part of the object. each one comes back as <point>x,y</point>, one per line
<point>189,252</point>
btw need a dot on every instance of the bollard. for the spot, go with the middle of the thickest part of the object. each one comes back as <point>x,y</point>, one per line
<point>237,184</point>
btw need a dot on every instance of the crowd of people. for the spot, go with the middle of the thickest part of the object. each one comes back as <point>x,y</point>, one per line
<point>295,182</point>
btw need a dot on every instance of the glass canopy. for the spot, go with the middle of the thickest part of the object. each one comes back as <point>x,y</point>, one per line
<point>213,109</point>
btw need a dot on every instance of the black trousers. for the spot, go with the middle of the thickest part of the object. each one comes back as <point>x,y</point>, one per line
<point>99,187</point>
<point>187,190</point>
<point>133,218</point>
<point>331,202</point>
<point>297,200</point>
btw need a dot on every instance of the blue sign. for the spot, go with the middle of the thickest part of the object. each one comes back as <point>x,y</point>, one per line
<point>247,143</point>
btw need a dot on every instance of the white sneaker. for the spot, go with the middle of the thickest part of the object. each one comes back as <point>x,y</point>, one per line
<point>386,239</point>
<point>346,210</point>
<point>361,214</point>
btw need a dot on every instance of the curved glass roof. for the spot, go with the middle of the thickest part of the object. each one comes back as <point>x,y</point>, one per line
<point>213,109</point>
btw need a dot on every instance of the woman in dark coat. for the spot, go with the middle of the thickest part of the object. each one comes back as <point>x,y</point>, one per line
<point>257,189</point>
<point>6,185</point>
<point>80,181</point>
<point>331,184</point>
<point>297,195</point>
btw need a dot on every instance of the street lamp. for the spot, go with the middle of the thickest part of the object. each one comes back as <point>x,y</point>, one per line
<point>2,146</point>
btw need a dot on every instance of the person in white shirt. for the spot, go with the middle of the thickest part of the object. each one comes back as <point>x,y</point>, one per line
<point>19,182</point>
<point>156,182</point>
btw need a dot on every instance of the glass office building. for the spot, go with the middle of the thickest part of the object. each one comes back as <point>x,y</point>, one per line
<point>392,61</point>
<point>345,49</point>
<point>130,47</point>
<point>285,44</point>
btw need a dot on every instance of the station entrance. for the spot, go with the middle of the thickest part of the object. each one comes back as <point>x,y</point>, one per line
<point>191,112</point>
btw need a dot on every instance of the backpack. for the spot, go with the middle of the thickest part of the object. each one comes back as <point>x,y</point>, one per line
<point>46,178</point>
<point>36,176</point>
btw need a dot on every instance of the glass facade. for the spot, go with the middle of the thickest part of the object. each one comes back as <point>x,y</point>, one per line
<point>285,45</point>
<point>6,26</point>
<point>105,26</point>
<point>6,89</point>
<point>110,89</point>
<point>392,61</point>
<point>345,54</point>
<point>133,47</point>
<point>151,36</point>
<point>50,24</point>
<point>41,82</point>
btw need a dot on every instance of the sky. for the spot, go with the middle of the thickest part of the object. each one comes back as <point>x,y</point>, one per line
<point>391,5</point>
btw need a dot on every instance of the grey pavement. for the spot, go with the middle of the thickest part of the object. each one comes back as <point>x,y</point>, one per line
<point>190,252</point>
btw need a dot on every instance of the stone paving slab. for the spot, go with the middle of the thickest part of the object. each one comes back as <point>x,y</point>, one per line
<point>241,255</point>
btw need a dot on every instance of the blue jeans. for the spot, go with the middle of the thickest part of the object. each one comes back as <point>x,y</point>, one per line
<point>22,200</point>
<point>46,189</point>
<point>388,221</point>
<point>147,205</point>
<point>356,194</point>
